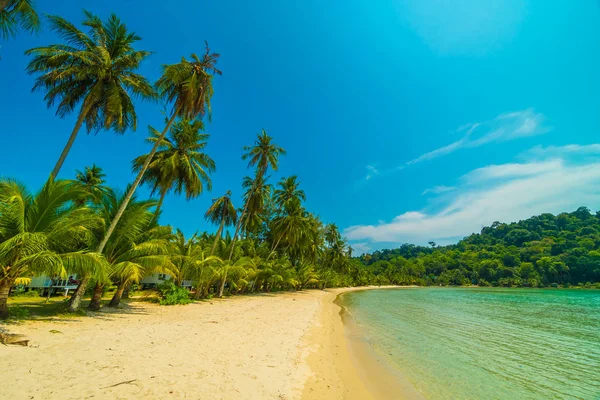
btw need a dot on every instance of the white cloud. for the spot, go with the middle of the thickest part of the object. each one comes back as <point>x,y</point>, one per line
<point>504,127</point>
<point>507,192</point>
<point>371,172</point>
<point>562,151</point>
<point>508,171</point>
<point>438,189</point>
<point>360,248</point>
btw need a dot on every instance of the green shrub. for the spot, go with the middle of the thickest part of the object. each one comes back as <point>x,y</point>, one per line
<point>18,313</point>
<point>170,294</point>
<point>566,285</point>
<point>20,292</point>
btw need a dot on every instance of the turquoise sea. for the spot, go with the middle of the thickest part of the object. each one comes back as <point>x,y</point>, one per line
<point>463,343</point>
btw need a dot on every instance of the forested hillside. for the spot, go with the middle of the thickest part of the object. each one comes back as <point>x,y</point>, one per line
<point>539,251</point>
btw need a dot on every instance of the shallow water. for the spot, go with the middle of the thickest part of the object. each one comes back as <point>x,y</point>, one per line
<point>486,343</point>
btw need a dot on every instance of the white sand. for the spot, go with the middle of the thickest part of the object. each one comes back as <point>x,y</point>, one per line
<point>282,346</point>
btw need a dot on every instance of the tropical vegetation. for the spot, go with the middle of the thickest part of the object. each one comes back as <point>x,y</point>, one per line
<point>544,250</point>
<point>269,241</point>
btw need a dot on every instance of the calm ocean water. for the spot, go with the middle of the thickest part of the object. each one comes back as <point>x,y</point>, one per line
<point>487,343</point>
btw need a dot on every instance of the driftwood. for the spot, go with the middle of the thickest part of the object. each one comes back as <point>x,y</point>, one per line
<point>13,338</point>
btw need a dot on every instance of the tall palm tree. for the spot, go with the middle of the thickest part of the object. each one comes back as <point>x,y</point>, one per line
<point>92,181</point>
<point>262,155</point>
<point>95,71</point>
<point>43,232</point>
<point>180,163</point>
<point>188,86</point>
<point>221,212</point>
<point>15,14</point>
<point>288,191</point>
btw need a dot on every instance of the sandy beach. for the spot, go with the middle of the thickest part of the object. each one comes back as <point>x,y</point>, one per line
<point>269,346</point>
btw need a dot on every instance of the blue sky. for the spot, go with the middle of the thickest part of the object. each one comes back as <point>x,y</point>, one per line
<point>405,120</point>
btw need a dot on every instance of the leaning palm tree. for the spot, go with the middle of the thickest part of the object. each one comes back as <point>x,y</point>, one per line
<point>188,86</point>
<point>92,181</point>
<point>43,233</point>
<point>95,72</point>
<point>221,212</point>
<point>15,14</point>
<point>288,191</point>
<point>262,155</point>
<point>180,163</point>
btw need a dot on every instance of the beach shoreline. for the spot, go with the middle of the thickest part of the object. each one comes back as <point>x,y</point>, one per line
<point>346,366</point>
<point>292,345</point>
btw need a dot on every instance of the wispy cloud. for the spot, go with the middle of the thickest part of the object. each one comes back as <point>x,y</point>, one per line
<point>371,172</point>
<point>553,179</point>
<point>438,189</point>
<point>505,127</point>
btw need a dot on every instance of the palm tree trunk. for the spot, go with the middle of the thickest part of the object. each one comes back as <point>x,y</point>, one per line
<point>222,287</point>
<point>75,302</point>
<point>160,203</point>
<point>276,244</point>
<point>5,285</point>
<point>135,184</point>
<point>237,229</point>
<point>65,152</point>
<point>114,302</point>
<point>218,235</point>
<point>96,298</point>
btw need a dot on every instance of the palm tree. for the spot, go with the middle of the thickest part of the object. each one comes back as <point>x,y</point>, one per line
<point>138,248</point>
<point>288,191</point>
<point>15,14</point>
<point>91,180</point>
<point>179,162</point>
<point>292,225</point>
<point>257,196</point>
<point>188,85</point>
<point>332,234</point>
<point>262,155</point>
<point>221,212</point>
<point>43,232</point>
<point>96,70</point>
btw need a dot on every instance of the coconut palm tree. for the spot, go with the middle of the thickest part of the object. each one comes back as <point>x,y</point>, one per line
<point>221,212</point>
<point>180,163</point>
<point>257,196</point>
<point>262,155</point>
<point>91,180</point>
<point>95,72</point>
<point>291,225</point>
<point>332,234</point>
<point>288,191</point>
<point>188,86</point>
<point>15,14</point>
<point>139,247</point>
<point>237,268</point>
<point>43,233</point>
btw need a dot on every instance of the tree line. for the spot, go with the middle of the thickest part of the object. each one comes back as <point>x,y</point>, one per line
<point>81,226</point>
<point>544,250</point>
